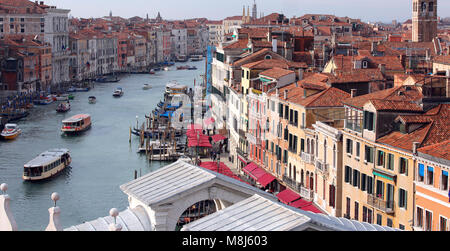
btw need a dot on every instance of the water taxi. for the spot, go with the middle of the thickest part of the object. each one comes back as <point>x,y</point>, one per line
<point>47,164</point>
<point>76,124</point>
<point>196,57</point>
<point>118,92</point>
<point>43,101</point>
<point>92,100</point>
<point>146,86</point>
<point>63,107</point>
<point>11,131</point>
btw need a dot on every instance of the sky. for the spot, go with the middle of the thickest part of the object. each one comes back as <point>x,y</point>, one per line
<point>378,10</point>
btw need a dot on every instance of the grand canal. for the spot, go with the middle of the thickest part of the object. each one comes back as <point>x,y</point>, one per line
<point>102,158</point>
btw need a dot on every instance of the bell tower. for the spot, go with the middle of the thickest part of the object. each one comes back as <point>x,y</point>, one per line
<point>424,20</point>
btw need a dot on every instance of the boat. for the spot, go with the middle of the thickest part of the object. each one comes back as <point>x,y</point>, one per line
<point>166,68</point>
<point>43,101</point>
<point>182,58</point>
<point>196,57</point>
<point>78,89</point>
<point>192,68</point>
<point>71,97</point>
<point>107,79</point>
<point>146,86</point>
<point>151,72</point>
<point>118,92</point>
<point>183,67</point>
<point>92,100</point>
<point>173,88</point>
<point>14,115</point>
<point>63,97</point>
<point>47,164</point>
<point>157,69</point>
<point>76,124</point>
<point>11,131</point>
<point>63,107</point>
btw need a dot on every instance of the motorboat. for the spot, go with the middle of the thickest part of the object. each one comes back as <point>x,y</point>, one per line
<point>92,100</point>
<point>63,107</point>
<point>107,79</point>
<point>11,131</point>
<point>146,86</point>
<point>71,97</point>
<point>166,68</point>
<point>152,72</point>
<point>63,97</point>
<point>47,164</point>
<point>196,57</point>
<point>43,101</point>
<point>118,92</point>
<point>192,68</point>
<point>78,89</point>
<point>76,124</point>
<point>174,88</point>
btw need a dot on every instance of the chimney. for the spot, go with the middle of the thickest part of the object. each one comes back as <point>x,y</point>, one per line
<point>353,93</point>
<point>274,45</point>
<point>286,94</point>
<point>300,74</point>
<point>373,48</point>
<point>415,147</point>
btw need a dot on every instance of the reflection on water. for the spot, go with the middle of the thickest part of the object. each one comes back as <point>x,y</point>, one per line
<point>102,157</point>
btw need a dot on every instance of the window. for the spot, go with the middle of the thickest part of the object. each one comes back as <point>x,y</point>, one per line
<point>358,146</point>
<point>419,216</point>
<point>444,180</point>
<point>369,216</point>
<point>348,208</point>
<point>390,163</point>
<point>369,120</point>
<point>356,178</point>
<point>403,166</point>
<point>348,175</point>
<point>369,185</point>
<point>421,175</point>
<point>364,216</point>
<point>332,196</point>
<point>363,182</point>
<point>402,198</point>
<point>428,221</point>
<point>380,158</point>
<point>430,173</point>
<point>368,154</point>
<point>380,189</point>
<point>389,222</point>
<point>402,227</point>
<point>379,219</point>
<point>442,224</point>
<point>356,211</point>
<point>349,146</point>
<point>364,64</point>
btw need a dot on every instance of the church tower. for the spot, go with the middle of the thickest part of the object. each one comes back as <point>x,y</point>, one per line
<point>254,11</point>
<point>424,20</point>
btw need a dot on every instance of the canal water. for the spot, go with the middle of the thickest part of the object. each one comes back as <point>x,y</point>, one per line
<point>102,158</point>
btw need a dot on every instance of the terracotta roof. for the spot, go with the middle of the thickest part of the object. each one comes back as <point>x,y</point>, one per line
<point>442,59</point>
<point>267,64</point>
<point>395,105</point>
<point>331,97</point>
<point>240,44</point>
<point>436,129</point>
<point>440,150</point>
<point>408,93</point>
<point>276,73</point>
<point>357,76</point>
<point>21,7</point>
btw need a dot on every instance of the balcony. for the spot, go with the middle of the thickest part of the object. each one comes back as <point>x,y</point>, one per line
<point>321,166</point>
<point>307,158</point>
<point>353,126</point>
<point>385,206</point>
<point>306,193</point>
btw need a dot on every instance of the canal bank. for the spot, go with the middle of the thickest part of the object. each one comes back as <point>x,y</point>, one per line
<point>103,158</point>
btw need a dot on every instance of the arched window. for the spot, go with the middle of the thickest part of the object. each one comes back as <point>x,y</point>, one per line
<point>312,147</point>
<point>290,171</point>
<point>325,151</point>
<point>301,177</point>
<point>424,7</point>
<point>295,173</point>
<point>268,57</point>
<point>334,156</point>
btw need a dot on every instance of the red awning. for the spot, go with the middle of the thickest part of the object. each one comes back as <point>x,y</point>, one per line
<point>223,169</point>
<point>202,142</point>
<point>249,168</point>
<point>266,179</point>
<point>218,137</point>
<point>287,196</point>
<point>305,205</point>
<point>193,133</point>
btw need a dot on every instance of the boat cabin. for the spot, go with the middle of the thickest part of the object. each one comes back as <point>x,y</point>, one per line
<point>77,123</point>
<point>46,164</point>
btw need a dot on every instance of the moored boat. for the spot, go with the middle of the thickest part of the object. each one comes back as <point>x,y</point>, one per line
<point>63,97</point>
<point>11,131</point>
<point>63,107</point>
<point>118,92</point>
<point>92,100</point>
<point>47,164</point>
<point>192,68</point>
<point>151,72</point>
<point>166,68</point>
<point>76,124</point>
<point>43,101</point>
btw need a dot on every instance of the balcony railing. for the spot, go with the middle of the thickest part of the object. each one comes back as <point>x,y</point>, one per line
<point>242,153</point>
<point>386,206</point>
<point>353,126</point>
<point>307,157</point>
<point>321,166</point>
<point>294,185</point>
<point>306,193</point>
